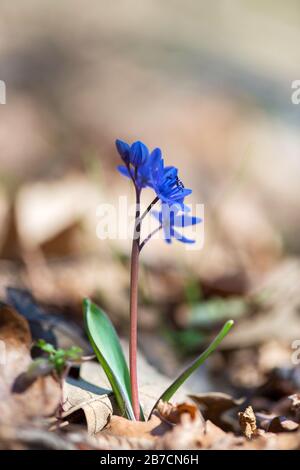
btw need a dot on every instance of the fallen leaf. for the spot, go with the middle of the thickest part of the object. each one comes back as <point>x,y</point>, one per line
<point>151,429</point>
<point>39,399</point>
<point>45,323</point>
<point>247,422</point>
<point>214,404</point>
<point>97,404</point>
<point>281,424</point>
<point>276,423</point>
<point>92,393</point>
<point>169,426</point>
<point>192,432</point>
<point>173,413</point>
<point>186,423</point>
<point>185,435</point>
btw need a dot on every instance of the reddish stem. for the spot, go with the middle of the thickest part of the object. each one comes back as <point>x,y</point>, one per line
<point>134,310</point>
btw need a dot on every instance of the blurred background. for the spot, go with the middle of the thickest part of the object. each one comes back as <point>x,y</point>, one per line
<point>210,84</point>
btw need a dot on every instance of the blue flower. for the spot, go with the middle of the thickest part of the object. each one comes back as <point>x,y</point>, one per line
<point>173,216</point>
<point>135,154</point>
<point>168,186</point>
<point>141,170</point>
<point>148,170</point>
<point>124,150</point>
<point>138,154</point>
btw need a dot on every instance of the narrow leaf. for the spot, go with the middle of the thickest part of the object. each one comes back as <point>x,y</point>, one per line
<point>107,347</point>
<point>197,363</point>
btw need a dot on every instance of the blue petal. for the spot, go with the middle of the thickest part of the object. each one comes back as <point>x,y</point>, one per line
<point>124,171</point>
<point>156,157</point>
<point>181,238</point>
<point>123,149</point>
<point>184,220</point>
<point>186,192</point>
<point>138,153</point>
<point>170,172</point>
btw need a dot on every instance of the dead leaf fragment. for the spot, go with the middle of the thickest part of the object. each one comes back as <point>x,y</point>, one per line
<point>281,424</point>
<point>247,422</point>
<point>170,427</point>
<point>119,426</point>
<point>276,424</point>
<point>97,404</point>
<point>214,404</point>
<point>185,435</point>
<point>174,413</point>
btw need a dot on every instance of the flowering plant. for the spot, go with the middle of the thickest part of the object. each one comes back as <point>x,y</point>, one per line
<point>145,169</point>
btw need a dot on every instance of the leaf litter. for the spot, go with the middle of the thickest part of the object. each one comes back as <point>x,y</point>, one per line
<point>90,412</point>
<point>193,420</point>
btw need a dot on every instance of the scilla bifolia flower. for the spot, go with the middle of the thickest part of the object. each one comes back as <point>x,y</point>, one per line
<point>147,169</point>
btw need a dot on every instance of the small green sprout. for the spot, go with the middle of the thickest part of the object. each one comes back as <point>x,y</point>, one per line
<point>60,359</point>
<point>56,363</point>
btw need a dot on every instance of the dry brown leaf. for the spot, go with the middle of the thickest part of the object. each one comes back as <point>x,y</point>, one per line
<point>163,420</point>
<point>96,404</point>
<point>271,423</point>
<point>42,397</point>
<point>185,435</point>
<point>186,426</point>
<point>47,323</point>
<point>92,393</point>
<point>119,426</point>
<point>214,404</point>
<point>281,424</point>
<point>169,426</point>
<point>191,432</point>
<point>173,413</point>
<point>247,422</point>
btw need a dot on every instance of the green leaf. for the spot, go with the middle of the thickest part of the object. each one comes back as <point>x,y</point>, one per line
<point>74,353</point>
<point>107,347</point>
<point>47,347</point>
<point>197,363</point>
